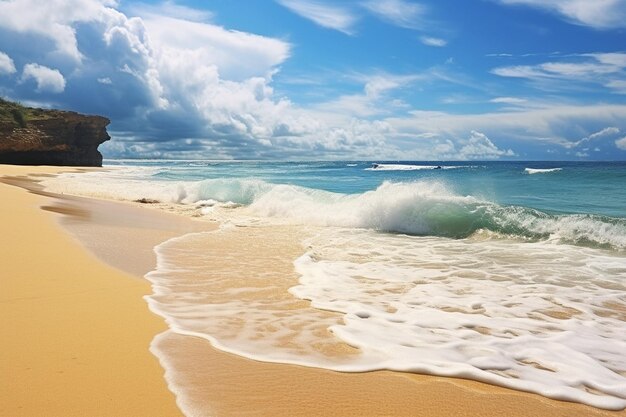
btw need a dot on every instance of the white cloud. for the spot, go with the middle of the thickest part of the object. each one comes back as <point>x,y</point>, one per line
<point>572,70</point>
<point>551,124</point>
<point>508,100</point>
<point>599,14</point>
<point>397,12</point>
<point>6,64</point>
<point>374,100</point>
<point>617,59</point>
<point>162,78</point>
<point>171,9</point>
<point>607,69</point>
<point>238,55</point>
<point>480,147</point>
<point>201,90</point>
<point>323,14</point>
<point>606,132</point>
<point>621,143</point>
<point>54,20</point>
<point>47,79</point>
<point>437,42</point>
<point>618,86</point>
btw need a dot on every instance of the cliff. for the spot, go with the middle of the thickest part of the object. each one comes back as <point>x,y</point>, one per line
<point>31,136</point>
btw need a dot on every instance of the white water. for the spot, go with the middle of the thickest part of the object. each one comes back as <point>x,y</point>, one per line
<point>426,207</point>
<point>406,167</point>
<point>531,171</point>
<point>536,316</point>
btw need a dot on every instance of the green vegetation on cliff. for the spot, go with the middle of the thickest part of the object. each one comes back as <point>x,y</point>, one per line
<point>32,136</point>
<point>15,114</point>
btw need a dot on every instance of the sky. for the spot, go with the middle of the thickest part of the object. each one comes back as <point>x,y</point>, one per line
<point>320,79</point>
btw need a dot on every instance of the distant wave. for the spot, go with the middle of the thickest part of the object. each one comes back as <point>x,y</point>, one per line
<point>531,171</point>
<point>403,167</point>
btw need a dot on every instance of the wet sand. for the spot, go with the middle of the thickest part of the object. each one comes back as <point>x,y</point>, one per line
<point>79,334</point>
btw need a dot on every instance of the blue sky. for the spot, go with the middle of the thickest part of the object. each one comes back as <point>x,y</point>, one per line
<point>321,79</point>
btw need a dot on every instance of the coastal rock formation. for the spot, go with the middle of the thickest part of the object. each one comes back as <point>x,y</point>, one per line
<point>50,137</point>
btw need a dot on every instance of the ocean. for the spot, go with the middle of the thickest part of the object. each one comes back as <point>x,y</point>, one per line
<point>510,273</point>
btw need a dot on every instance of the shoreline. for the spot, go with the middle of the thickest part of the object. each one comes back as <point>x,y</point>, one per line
<point>76,330</point>
<point>234,385</point>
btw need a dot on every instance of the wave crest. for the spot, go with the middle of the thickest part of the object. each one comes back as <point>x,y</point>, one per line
<point>430,208</point>
<point>531,171</point>
<point>425,207</point>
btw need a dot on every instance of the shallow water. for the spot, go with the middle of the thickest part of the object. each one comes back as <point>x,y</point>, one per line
<point>489,271</point>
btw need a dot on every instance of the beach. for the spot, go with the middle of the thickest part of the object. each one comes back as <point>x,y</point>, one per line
<point>80,338</point>
<point>76,331</point>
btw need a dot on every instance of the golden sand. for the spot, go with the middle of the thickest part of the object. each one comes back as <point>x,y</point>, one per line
<point>76,334</point>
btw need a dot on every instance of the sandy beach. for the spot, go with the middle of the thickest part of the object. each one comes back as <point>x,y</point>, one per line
<point>77,332</point>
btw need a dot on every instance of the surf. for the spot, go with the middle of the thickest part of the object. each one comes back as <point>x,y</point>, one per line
<point>532,171</point>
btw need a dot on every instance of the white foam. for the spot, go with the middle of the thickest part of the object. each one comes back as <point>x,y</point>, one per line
<point>425,207</point>
<point>399,167</point>
<point>537,317</point>
<point>531,171</point>
<point>534,317</point>
<point>408,167</point>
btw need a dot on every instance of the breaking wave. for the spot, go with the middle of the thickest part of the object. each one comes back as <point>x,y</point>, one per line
<point>422,208</point>
<point>531,171</point>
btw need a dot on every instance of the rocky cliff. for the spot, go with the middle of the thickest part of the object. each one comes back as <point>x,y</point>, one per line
<point>49,137</point>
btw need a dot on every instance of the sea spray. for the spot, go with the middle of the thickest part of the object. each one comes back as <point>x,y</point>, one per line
<point>423,208</point>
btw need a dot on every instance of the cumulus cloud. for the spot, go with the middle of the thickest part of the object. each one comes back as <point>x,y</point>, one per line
<point>323,14</point>
<point>548,125</point>
<point>47,79</point>
<point>437,42</point>
<point>192,81</point>
<point>480,147</point>
<point>238,55</point>
<point>598,14</point>
<point>199,90</point>
<point>53,20</point>
<point>621,143</point>
<point>6,64</point>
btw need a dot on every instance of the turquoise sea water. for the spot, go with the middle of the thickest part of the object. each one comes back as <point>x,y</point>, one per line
<point>531,199</point>
<point>579,187</point>
<point>511,273</point>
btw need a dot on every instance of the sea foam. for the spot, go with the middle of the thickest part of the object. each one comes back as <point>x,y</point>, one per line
<point>528,316</point>
<point>408,167</point>
<point>531,171</point>
<point>424,208</point>
<point>507,301</point>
